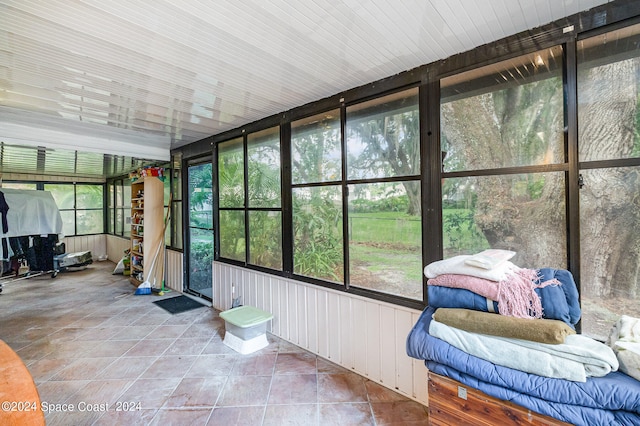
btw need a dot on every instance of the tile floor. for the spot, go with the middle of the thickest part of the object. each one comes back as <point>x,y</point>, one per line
<point>116,358</point>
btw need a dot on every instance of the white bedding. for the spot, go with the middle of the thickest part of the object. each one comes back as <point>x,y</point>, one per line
<point>457,265</point>
<point>576,359</point>
<point>624,339</point>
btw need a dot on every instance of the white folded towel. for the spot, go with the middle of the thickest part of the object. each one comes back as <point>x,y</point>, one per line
<point>624,339</point>
<point>458,265</point>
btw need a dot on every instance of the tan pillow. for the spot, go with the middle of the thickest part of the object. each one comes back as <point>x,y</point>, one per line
<point>536,330</point>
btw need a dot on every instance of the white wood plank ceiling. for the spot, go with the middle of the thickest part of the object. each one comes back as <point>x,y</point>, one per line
<point>138,77</point>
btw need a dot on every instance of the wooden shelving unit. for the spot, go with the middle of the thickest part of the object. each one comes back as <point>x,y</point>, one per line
<point>147,207</point>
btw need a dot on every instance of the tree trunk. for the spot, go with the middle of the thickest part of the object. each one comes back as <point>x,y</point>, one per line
<point>415,200</point>
<point>499,130</point>
<point>392,143</point>
<point>609,200</point>
<point>493,130</point>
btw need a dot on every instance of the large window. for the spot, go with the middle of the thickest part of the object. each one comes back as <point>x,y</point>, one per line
<point>379,196</point>
<point>81,207</point>
<point>89,214</point>
<point>385,232</point>
<point>251,206</point>
<point>232,199</point>
<point>264,197</point>
<point>317,232</point>
<point>520,162</point>
<point>316,153</point>
<point>119,207</point>
<point>64,195</point>
<point>502,127</point>
<point>609,153</point>
<point>316,173</point>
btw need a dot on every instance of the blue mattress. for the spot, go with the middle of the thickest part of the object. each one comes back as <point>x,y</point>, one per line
<point>610,400</point>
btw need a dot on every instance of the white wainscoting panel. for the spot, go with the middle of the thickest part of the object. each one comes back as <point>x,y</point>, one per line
<point>116,247</point>
<point>96,244</point>
<point>363,335</point>
<point>174,277</point>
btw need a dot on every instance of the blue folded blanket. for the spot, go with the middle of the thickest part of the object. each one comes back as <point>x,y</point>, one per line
<point>609,400</point>
<point>558,302</point>
<point>571,413</point>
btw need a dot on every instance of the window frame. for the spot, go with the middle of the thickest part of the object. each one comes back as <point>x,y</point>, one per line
<point>245,209</point>
<point>427,78</point>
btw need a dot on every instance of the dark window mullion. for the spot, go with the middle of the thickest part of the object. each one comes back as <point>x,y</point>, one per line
<point>431,170</point>
<point>572,191</point>
<point>571,139</point>
<point>390,179</point>
<point>75,210</point>
<point>245,160</point>
<point>215,201</point>
<point>345,197</point>
<point>105,207</point>
<point>286,202</point>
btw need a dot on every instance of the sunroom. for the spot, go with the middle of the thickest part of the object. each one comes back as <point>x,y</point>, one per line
<point>317,180</point>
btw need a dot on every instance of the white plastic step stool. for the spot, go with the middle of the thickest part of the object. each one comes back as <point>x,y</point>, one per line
<point>245,328</point>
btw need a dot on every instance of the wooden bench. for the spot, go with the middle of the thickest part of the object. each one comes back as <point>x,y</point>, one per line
<point>18,393</point>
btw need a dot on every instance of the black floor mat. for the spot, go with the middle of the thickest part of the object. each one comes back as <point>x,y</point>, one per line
<point>178,304</point>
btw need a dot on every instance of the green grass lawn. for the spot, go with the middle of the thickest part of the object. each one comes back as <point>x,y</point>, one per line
<point>399,229</point>
<point>385,248</point>
<point>393,228</point>
<point>385,252</point>
<point>391,271</point>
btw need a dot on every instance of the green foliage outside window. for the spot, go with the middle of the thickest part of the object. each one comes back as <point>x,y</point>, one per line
<point>317,224</point>
<point>265,239</point>
<point>81,207</point>
<point>232,238</point>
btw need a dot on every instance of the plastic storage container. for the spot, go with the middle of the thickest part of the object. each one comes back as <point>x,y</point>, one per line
<point>245,328</point>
